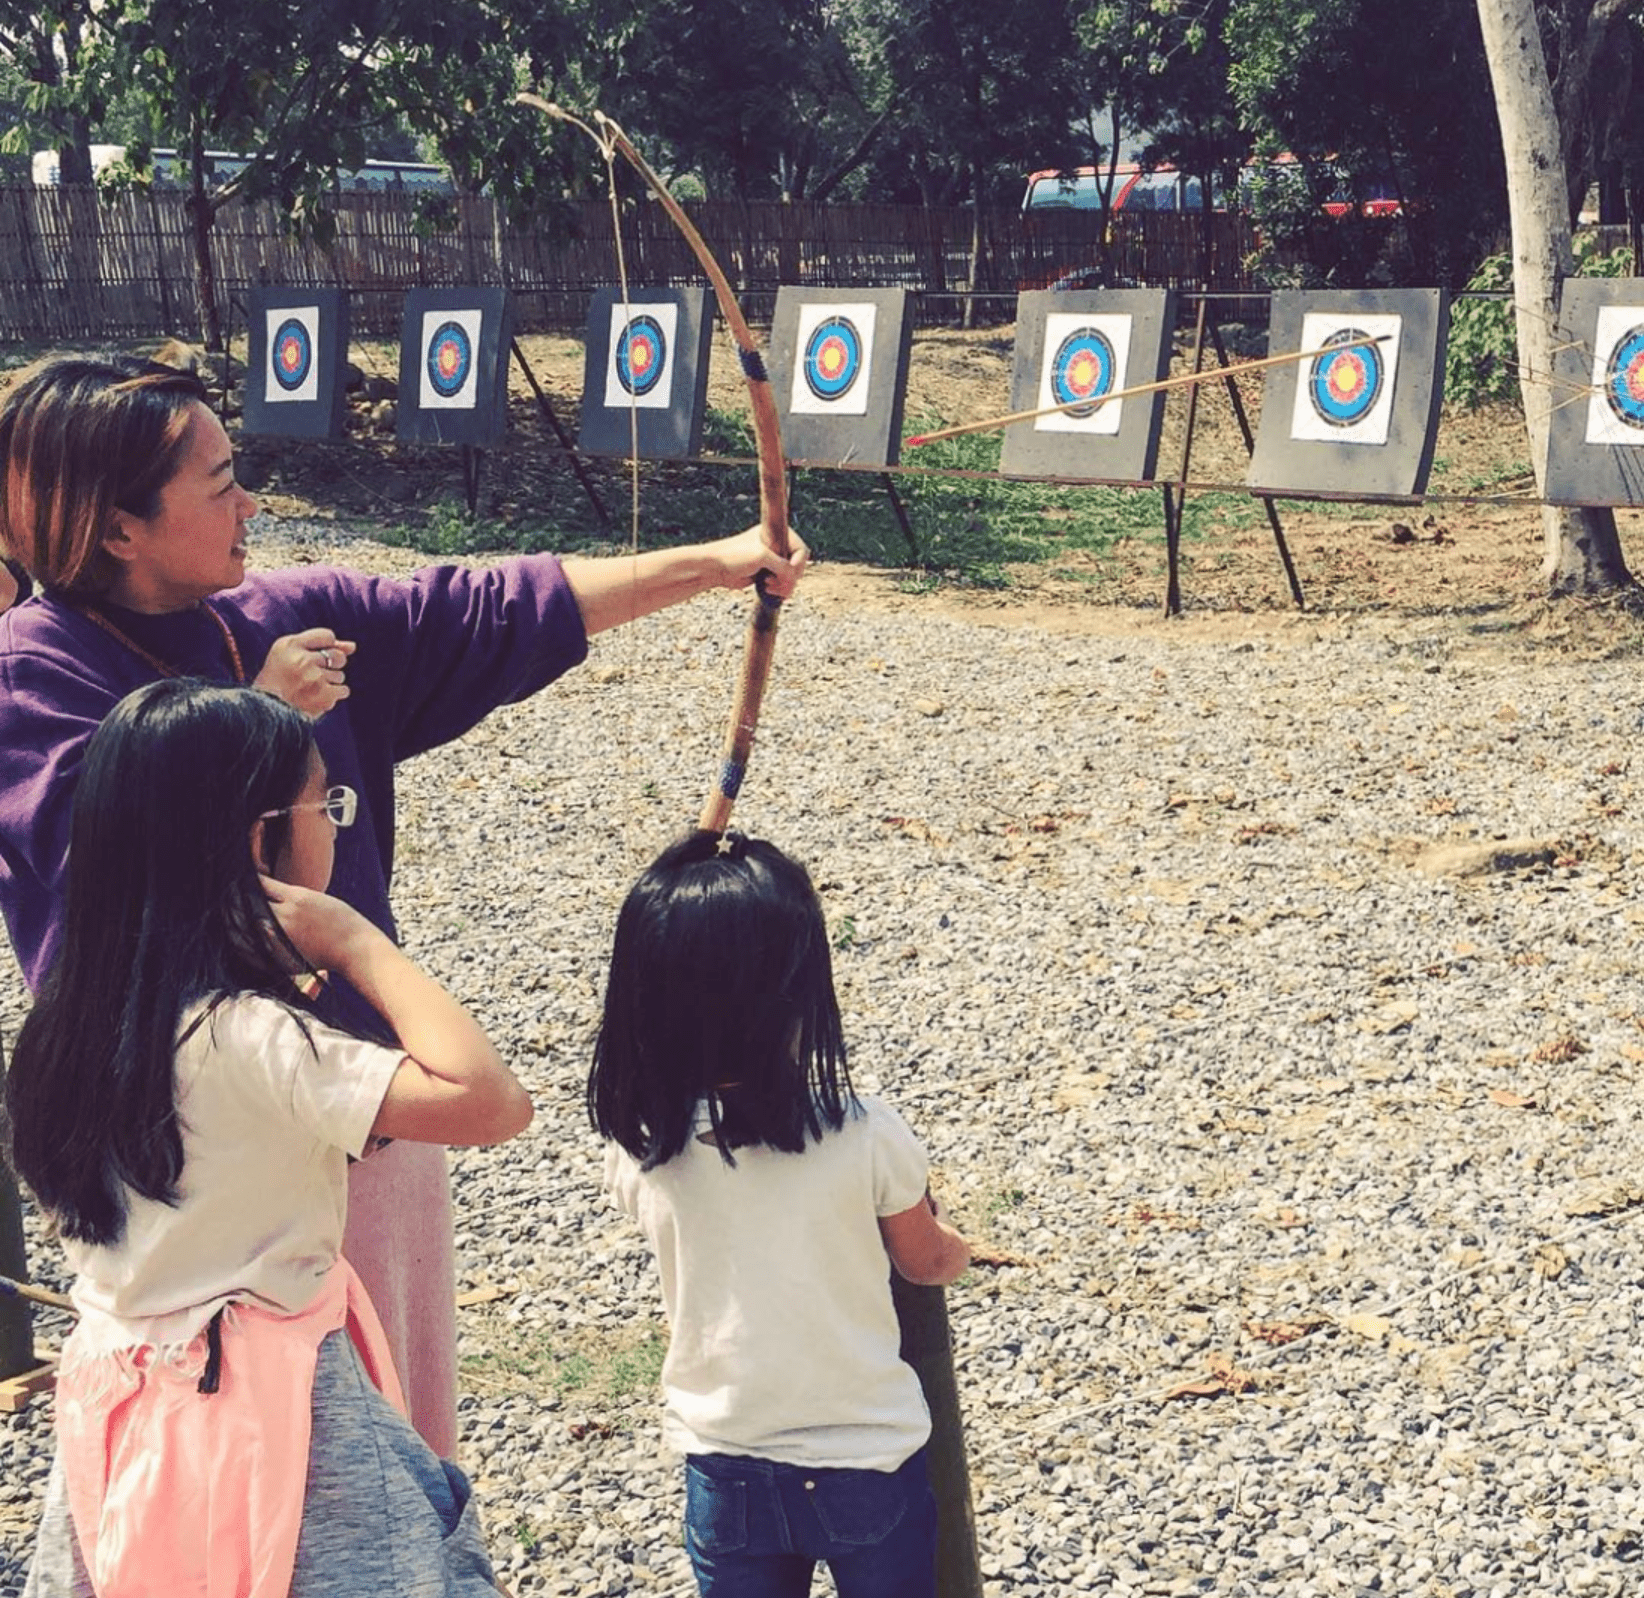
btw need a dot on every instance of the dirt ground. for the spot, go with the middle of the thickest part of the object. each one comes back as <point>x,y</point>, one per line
<point>1471,553</point>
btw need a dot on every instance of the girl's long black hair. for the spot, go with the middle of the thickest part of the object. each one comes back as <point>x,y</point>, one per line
<point>164,910</point>
<point>721,988</point>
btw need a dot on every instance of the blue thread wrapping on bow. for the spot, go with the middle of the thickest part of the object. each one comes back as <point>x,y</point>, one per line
<point>753,364</point>
<point>730,778</point>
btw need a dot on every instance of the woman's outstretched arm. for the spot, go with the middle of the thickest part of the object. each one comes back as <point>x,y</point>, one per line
<point>618,589</point>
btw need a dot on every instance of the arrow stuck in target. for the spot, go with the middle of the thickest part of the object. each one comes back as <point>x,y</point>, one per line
<point>1185,380</point>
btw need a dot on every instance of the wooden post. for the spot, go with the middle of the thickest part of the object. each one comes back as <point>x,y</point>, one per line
<point>927,1345</point>
<point>16,1329</point>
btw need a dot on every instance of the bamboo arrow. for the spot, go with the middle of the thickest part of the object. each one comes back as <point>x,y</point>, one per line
<point>1186,380</point>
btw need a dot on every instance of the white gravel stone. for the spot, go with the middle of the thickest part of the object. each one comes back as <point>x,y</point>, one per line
<point>1133,933</point>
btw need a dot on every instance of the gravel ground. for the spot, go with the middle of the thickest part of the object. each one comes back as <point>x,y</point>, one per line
<point>1318,1168</point>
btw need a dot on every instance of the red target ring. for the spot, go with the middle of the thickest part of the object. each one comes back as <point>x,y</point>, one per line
<point>291,355</point>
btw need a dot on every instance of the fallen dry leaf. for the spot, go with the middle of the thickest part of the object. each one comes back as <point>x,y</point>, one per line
<point>1510,1100</point>
<point>1278,1333</point>
<point>1549,1261</point>
<point>1375,1327</point>
<point>1225,1377</point>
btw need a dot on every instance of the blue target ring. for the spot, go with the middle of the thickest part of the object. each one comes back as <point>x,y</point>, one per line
<point>833,357</point>
<point>1624,378</point>
<point>1081,371</point>
<point>641,356</point>
<point>1344,384</point>
<point>450,359</point>
<point>291,354</point>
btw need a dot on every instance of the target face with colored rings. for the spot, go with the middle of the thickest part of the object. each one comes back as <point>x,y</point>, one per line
<point>1082,371</point>
<point>291,354</point>
<point>1624,378</point>
<point>1344,384</point>
<point>641,355</point>
<point>833,357</point>
<point>450,359</point>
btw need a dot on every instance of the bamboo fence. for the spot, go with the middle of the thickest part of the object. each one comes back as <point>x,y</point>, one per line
<point>75,264</point>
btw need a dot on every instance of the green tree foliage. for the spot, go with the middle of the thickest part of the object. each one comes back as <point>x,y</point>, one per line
<point>1162,67</point>
<point>54,70</point>
<point>977,93</point>
<point>760,102</point>
<point>1396,90</point>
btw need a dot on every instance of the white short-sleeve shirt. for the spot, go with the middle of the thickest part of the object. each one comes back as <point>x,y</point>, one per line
<point>784,1341</point>
<point>271,1107</point>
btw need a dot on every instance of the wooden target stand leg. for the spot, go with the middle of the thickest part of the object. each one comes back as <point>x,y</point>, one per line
<point>1175,494</point>
<point>22,1372</point>
<point>902,520</point>
<point>1250,449</point>
<point>927,1345</point>
<point>564,438</point>
<point>473,464</point>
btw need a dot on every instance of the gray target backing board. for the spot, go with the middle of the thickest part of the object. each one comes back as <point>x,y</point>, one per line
<point>839,373</point>
<point>1080,345</point>
<point>297,362</point>
<point>647,371</point>
<point>1357,420</point>
<point>454,350</point>
<point>1595,433</point>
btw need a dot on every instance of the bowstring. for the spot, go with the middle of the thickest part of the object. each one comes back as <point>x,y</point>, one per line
<point>608,151</point>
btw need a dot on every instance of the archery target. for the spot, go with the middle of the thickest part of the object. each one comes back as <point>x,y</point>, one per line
<point>296,361</point>
<point>293,373</point>
<point>1085,357</point>
<point>1615,413</point>
<point>450,344</point>
<point>1345,394</point>
<point>834,369</point>
<point>641,368</point>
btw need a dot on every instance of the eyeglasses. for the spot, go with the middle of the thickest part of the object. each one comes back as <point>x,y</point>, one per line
<point>340,805</point>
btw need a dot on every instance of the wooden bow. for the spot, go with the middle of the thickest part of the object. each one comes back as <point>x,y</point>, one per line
<point>773,479</point>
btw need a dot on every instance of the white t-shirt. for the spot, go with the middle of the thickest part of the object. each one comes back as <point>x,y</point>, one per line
<point>784,1340</point>
<point>270,1116</point>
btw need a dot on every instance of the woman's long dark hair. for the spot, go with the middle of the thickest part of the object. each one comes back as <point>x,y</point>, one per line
<point>721,988</point>
<point>164,910</point>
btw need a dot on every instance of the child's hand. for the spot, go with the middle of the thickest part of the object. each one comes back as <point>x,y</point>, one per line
<point>327,933</point>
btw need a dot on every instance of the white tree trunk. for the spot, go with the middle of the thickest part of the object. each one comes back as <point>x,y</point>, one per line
<point>1581,550</point>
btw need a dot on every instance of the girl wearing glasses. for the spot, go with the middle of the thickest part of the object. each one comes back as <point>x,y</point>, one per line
<point>117,492</point>
<point>179,1109</point>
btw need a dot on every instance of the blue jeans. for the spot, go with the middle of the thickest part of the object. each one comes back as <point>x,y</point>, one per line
<point>755,1529</point>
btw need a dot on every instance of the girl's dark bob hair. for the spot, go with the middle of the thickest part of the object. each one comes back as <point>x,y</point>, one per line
<point>721,989</point>
<point>164,912</point>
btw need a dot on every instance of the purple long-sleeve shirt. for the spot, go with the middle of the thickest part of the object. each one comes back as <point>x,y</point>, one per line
<point>436,653</point>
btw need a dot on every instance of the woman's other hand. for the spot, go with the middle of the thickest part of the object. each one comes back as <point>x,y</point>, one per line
<point>307,670</point>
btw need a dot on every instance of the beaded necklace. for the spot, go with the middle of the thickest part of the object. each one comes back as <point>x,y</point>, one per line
<point>115,631</point>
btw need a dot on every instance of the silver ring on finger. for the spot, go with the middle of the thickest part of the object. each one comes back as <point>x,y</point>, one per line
<point>326,661</point>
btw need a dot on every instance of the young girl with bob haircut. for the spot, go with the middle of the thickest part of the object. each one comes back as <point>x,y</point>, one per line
<point>178,1108</point>
<point>771,1195</point>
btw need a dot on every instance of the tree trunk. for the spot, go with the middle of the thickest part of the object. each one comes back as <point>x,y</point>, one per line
<point>968,319</point>
<point>1581,549</point>
<point>205,273</point>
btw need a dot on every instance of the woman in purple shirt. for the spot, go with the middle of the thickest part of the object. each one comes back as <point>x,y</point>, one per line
<point>119,499</point>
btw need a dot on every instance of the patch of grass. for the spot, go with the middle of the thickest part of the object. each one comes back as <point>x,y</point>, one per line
<point>967,529</point>
<point>591,1365</point>
<point>997,1203</point>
